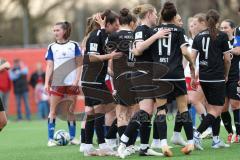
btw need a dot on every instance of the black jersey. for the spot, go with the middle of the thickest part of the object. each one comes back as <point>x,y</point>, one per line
<point>211,62</point>
<point>234,69</point>
<point>96,44</point>
<point>167,51</point>
<point>142,33</point>
<point>121,41</point>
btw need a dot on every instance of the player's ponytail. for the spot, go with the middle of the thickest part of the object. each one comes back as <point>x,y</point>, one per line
<point>142,10</point>
<point>212,18</point>
<point>66,26</point>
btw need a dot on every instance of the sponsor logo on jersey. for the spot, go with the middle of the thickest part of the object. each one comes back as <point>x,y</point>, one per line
<point>93,47</point>
<point>138,35</point>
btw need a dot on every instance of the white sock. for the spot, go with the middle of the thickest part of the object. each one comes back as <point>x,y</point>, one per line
<point>215,138</point>
<point>190,141</point>
<point>88,146</point>
<point>164,142</point>
<point>124,138</point>
<point>102,145</point>
<point>176,134</point>
<point>144,146</point>
<point>156,141</point>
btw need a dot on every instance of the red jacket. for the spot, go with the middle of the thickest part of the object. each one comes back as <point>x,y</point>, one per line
<point>5,82</point>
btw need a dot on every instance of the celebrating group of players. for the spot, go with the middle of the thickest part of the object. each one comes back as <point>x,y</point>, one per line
<point>145,57</point>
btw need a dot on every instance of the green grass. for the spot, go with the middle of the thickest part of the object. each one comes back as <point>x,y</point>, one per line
<point>27,141</point>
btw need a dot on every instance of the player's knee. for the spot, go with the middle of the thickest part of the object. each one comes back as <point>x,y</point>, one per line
<point>162,110</point>
<point>141,116</point>
<point>160,119</point>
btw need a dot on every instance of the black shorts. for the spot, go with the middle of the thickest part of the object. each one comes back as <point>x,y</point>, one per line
<point>214,92</point>
<point>124,96</point>
<point>1,105</point>
<point>179,89</point>
<point>232,90</point>
<point>96,94</point>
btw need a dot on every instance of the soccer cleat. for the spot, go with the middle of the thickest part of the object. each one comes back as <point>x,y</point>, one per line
<point>149,152</point>
<point>82,147</point>
<point>229,138</point>
<point>112,143</point>
<point>51,143</point>
<point>74,141</point>
<point>127,152</point>
<point>219,144</point>
<point>156,144</point>
<point>166,151</point>
<point>178,141</point>
<point>121,149</point>
<point>236,139</point>
<point>105,150</point>
<point>197,142</point>
<point>90,152</point>
<point>187,149</point>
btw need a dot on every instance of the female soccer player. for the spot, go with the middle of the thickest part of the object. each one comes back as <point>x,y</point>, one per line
<point>212,46</point>
<point>58,53</point>
<point>232,98</point>
<point>169,51</point>
<point>3,118</point>
<point>93,78</point>
<point>143,39</point>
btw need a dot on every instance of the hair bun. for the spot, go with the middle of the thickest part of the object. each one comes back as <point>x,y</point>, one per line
<point>124,12</point>
<point>168,5</point>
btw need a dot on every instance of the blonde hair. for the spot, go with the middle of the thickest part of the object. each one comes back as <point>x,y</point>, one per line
<point>190,19</point>
<point>142,10</point>
<point>201,17</point>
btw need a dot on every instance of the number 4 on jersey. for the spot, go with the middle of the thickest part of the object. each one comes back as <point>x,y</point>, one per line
<point>205,46</point>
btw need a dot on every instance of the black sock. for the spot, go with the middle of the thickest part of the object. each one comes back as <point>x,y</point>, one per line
<point>99,128</point>
<point>226,118</point>
<point>83,135</point>
<point>236,115</point>
<point>155,131</point>
<point>132,139</point>
<point>202,116</point>
<point>106,129</point>
<point>135,123</point>
<point>216,126</point>
<point>207,121</point>
<point>187,124</point>
<point>112,132</point>
<point>89,129</point>
<point>145,130</point>
<point>161,126</point>
<point>178,123</point>
<point>121,130</point>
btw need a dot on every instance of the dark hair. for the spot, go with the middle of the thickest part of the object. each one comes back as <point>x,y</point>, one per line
<point>168,11</point>
<point>126,17</point>
<point>212,19</point>
<point>110,15</point>
<point>67,27</point>
<point>231,23</point>
<point>142,10</point>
